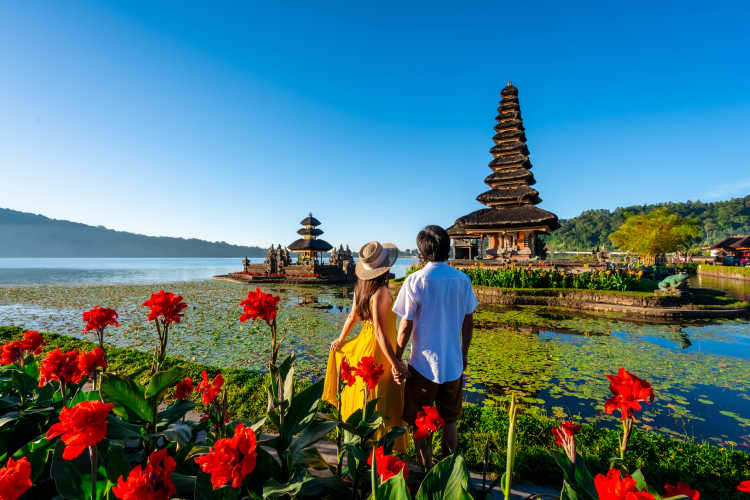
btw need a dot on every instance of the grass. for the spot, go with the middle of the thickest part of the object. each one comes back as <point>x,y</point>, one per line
<point>714,471</point>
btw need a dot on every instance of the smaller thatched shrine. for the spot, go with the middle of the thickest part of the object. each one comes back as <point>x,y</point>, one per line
<point>310,247</point>
<point>310,266</point>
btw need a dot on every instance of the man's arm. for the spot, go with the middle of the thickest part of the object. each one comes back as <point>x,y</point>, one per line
<point>404,334</point>
<point>467,329</point>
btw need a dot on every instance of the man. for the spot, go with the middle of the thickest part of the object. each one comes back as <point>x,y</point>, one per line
<point>436,306</point>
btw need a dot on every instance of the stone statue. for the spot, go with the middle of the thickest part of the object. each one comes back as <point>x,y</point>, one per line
<point>334,258</point>
<point>270,263</point>
<point>673,282</point>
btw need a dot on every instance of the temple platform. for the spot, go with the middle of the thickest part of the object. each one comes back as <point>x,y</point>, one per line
<point>295,273</point>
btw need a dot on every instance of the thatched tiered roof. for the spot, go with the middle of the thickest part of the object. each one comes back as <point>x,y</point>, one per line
<point>511,199</point>
<point>733,243</point>
<point>309,240</point>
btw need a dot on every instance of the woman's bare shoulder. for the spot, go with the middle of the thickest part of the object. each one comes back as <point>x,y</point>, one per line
<point>382,296</point>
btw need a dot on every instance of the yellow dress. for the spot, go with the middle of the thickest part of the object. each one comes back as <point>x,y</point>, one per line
<point>391,395</point>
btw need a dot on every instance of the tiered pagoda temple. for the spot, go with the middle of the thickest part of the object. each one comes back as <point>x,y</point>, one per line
<point>309,267</point>
<point>508,228</point>
<point>309,246</point>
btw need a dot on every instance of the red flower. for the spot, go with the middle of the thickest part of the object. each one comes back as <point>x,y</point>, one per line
<point>230,459</point>
<point>682,488</point>
<point>88,362</point>
<point>614,487</point>
<point>12,352</point>
<point>152,482</point>
<point>32,342</point>
<point>369,371</point>
<point>99,318</point>
<point>566,429</point>
<point>166,305</point>
<point>744,486</point>
<point>15,478</point>
<point>260,305</point>
<point>427,421</point>
<point>184,388</point>
<point>346,372</point>
<point>629,392</point>
<point>82,426</point>
<point>388,465</point>
<point>61,367</point>
<point>209,389</point>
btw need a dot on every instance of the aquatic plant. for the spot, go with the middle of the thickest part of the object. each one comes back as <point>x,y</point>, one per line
<point>522,277</point>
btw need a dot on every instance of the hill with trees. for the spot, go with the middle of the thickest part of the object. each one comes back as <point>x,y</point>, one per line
<point>24,234</point>
<point>592,228</point>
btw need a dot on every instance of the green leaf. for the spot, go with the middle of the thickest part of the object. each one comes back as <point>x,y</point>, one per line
<point>161,381</point>
<point>68,476</point>
<point>117,466</point>
<point>390,437</point>
<point>302,409</point>
<point>174,412</point>
<point>127,396</point>
<point>84,396</point>
<point>73,478</point>
<point>120,430</point>
<point>179,433</point>
<point>395,488</point>
<point>273,489</point>
<point>185,484</point>
<point>38,451</point>
<point>445,480</point>
<point>568,492</point>
<point>311,435</point>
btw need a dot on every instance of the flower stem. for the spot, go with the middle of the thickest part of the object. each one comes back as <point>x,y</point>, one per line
<point>339,430</point>
<point>92,455</point>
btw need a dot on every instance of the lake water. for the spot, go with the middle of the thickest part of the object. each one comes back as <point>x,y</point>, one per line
<point>556,360</point>
<point>99,271</point>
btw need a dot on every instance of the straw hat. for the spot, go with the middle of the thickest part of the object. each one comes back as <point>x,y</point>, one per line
<point>375,259</point>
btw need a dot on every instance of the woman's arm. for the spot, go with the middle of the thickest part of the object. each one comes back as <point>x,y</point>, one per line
<point>351,320</point>
<point>381,307</point>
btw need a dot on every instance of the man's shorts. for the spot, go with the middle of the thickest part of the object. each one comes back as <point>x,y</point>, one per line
<point>420,391</point>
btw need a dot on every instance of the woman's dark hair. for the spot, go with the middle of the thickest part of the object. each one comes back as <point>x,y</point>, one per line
<point>363,292</point>
<point>434,244</point>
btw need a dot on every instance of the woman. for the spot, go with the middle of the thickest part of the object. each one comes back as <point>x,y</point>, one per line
<point>372,306</point>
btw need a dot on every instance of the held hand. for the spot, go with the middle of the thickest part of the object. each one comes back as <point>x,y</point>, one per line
<point>400,371</point>
<point>336,345</point>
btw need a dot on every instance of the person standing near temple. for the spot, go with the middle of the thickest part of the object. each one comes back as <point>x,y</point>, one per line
<point>436,306</point>
<point>371,307</point>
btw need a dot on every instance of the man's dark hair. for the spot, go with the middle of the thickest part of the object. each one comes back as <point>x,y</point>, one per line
<point>434,244</point>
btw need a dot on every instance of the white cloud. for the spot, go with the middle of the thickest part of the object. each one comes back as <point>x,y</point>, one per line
<point>737,188</point>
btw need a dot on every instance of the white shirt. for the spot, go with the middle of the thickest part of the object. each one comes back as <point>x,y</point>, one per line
<point>436,298</point>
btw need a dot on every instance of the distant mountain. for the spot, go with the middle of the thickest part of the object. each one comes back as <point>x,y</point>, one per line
<point>592,228</point>
<point>29,235</point>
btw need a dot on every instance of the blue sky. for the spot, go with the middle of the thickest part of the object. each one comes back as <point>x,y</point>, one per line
<point>231,121</point>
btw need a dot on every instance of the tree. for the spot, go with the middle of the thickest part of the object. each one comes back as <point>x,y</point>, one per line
<point>656,232</point>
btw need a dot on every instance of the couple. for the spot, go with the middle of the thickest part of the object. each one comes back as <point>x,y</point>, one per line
<point>435,305</point>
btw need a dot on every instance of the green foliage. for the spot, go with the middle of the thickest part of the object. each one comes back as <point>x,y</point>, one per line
<point>656,232</point>
<point>662,459</point>
<point>591,229</point>
<point>245,389</point>
<point>742,271</point>
<point>521,277</point>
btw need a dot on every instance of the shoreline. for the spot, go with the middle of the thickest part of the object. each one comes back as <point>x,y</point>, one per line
<point>603,301</point>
